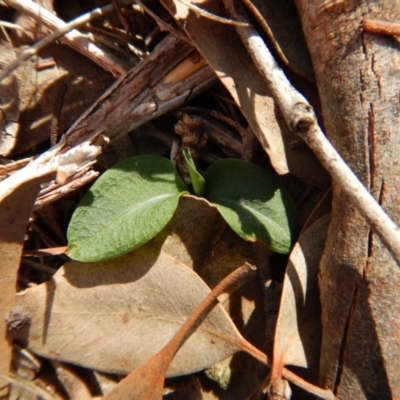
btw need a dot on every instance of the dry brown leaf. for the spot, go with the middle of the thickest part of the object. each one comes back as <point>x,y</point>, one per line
<point>115,314</point>
<point>241,373</point>
<point>17,195</point>
<point>298,330</point>
<point>286,34</point>
<point>189,234</point>
<point>222,48</point>
<point>15,208</point>
<point>147,381</point>
<point>52,99</point>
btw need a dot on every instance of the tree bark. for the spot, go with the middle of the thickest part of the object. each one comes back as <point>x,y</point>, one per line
<point>358,77</point>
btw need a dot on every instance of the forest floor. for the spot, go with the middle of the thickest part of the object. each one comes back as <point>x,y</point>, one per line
<point>152,80</point>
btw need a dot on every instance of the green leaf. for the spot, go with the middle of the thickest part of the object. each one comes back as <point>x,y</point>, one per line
<point>253,203</point>
<point>198,181</point>
<point>126,207</point>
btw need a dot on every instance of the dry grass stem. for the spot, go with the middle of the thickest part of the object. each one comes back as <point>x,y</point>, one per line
<point>67,34</point>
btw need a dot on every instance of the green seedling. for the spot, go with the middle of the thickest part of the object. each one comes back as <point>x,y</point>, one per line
<point>134,200</point>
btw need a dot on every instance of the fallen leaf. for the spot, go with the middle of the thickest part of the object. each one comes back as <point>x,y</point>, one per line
<point>114,315</point>
<point>51,99</point>
<point>15,208</point>
<point>284,23</point>
<point>298,330</point>
<point>147,381</point>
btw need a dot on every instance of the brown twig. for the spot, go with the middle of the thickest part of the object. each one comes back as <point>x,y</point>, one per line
<point>204,13</point>
<point>381,27</point>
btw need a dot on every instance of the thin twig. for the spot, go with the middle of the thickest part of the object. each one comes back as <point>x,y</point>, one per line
<point>10,25</point>
<point>163,25</point>
<point>72,37</point>
<point>300,117</point>
<point>204,13</point>
<point>288,375</point>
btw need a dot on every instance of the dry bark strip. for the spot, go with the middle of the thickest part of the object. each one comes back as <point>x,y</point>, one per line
<point>159,84</point>
<point>357,75</point>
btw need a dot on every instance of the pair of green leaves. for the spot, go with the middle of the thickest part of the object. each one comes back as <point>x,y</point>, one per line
<point>134,200</point>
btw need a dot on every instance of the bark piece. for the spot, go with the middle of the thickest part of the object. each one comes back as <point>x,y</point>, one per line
<point>9,105</point>
<point>52,99</point>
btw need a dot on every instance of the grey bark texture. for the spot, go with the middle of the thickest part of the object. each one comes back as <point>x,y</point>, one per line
<point>358,76</point>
